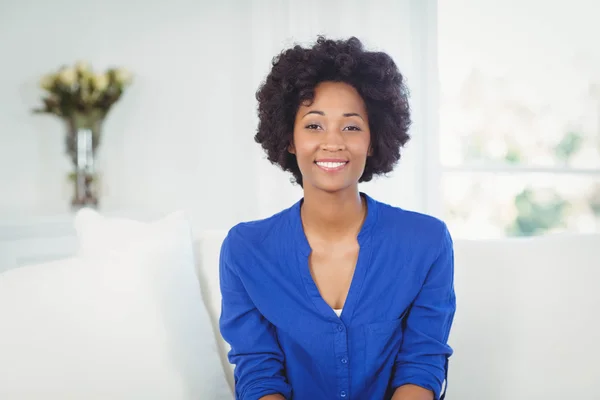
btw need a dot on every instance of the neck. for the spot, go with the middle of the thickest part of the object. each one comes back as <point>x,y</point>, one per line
<point>332,216</point>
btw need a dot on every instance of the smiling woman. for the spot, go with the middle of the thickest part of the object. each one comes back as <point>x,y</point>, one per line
<point>340,295</point>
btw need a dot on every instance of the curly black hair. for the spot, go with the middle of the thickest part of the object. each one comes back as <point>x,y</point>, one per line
<point>297,71</point>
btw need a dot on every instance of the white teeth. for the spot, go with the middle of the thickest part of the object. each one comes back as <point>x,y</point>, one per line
<point>330,164</point>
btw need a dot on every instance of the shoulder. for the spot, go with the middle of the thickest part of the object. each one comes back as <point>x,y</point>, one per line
<point>415,222</point>
<point>419,240</point>
<point>254,234</point>
<point>413,227</point>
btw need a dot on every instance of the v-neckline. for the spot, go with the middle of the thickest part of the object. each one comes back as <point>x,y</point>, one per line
<point>360,270</point>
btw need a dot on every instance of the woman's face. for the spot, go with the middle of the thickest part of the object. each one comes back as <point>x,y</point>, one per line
<point>331,138</point>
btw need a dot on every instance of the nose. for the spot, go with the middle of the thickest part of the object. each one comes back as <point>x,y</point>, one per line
<point>333,141</point>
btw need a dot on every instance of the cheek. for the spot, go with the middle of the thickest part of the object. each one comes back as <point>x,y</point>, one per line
<point>361,146</point>
<point>305,146</point>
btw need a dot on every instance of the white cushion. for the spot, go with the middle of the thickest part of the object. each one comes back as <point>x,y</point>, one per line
<point>527,323</point>
<point>121,324</point>
<point>99,235</point>
<point>208,248</point>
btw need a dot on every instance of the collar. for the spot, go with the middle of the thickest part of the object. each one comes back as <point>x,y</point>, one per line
<point>297,228</point>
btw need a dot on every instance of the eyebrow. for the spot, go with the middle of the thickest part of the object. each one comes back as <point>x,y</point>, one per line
<point>350,114</point>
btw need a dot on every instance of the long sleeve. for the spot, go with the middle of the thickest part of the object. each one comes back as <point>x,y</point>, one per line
<point>255,350</point>
<point>423,356</point>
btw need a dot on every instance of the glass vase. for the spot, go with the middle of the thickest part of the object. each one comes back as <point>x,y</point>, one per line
<point>82,141</point>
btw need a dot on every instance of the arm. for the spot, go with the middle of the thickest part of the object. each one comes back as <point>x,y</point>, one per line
<point>422,359</point>
<point>254,350</point>
<point>412,392</point>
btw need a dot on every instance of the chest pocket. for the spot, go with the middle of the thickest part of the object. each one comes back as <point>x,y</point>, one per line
<point>383,341</point>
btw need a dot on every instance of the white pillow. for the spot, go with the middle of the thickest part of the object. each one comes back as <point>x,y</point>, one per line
<point>127,323</point>
<point>208,249</point>
<point>102,236</point>
<point>178,284</point>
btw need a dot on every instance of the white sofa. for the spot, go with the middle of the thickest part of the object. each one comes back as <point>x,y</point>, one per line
<point>526,325</point>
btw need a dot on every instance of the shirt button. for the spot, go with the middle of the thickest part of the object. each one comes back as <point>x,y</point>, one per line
<point>344,360</point>
<point>342,394</point>
<point>340,328</point>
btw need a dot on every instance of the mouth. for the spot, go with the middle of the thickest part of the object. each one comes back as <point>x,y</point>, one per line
<point>331,165</point>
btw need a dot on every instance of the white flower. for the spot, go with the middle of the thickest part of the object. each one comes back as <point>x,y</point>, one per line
<point>47,81</point>
<point>123,76</point>
<point>100,82</point>
<point>82,66</point>
<point>67,76</point>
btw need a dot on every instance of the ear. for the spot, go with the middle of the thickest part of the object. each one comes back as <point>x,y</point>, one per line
<point>291,148</point>
<point>370,152</point>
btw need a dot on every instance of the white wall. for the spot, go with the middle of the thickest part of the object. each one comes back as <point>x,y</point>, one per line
<point>182,137</point>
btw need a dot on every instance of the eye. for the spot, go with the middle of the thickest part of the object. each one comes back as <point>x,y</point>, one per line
<point>352,128</point>
<point>313,126</point>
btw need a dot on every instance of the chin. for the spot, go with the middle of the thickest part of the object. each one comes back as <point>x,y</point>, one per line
<point>334,187</point>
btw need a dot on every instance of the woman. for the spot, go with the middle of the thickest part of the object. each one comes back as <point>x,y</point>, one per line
<point>339,296</point>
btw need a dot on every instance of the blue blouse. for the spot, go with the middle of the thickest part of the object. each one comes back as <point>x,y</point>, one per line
<point>395,322</point>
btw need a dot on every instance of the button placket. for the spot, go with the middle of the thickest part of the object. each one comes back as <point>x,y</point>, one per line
<point>341,352</point>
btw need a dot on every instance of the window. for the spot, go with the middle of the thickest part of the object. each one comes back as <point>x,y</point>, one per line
<point>519,116</point>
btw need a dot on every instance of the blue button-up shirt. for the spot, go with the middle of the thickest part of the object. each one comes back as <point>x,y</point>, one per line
<point>393,329</point>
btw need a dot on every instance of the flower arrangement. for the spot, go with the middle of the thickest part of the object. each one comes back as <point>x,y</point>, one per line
<point>82,98</point>
<point>78,90</point>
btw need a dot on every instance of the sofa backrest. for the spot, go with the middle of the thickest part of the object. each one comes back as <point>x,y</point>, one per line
<point>527,324</point>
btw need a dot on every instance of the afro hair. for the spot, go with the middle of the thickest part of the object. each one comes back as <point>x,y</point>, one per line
<point>292,80</point>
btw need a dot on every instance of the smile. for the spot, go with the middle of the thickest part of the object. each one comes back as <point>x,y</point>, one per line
<point>331,166</point>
